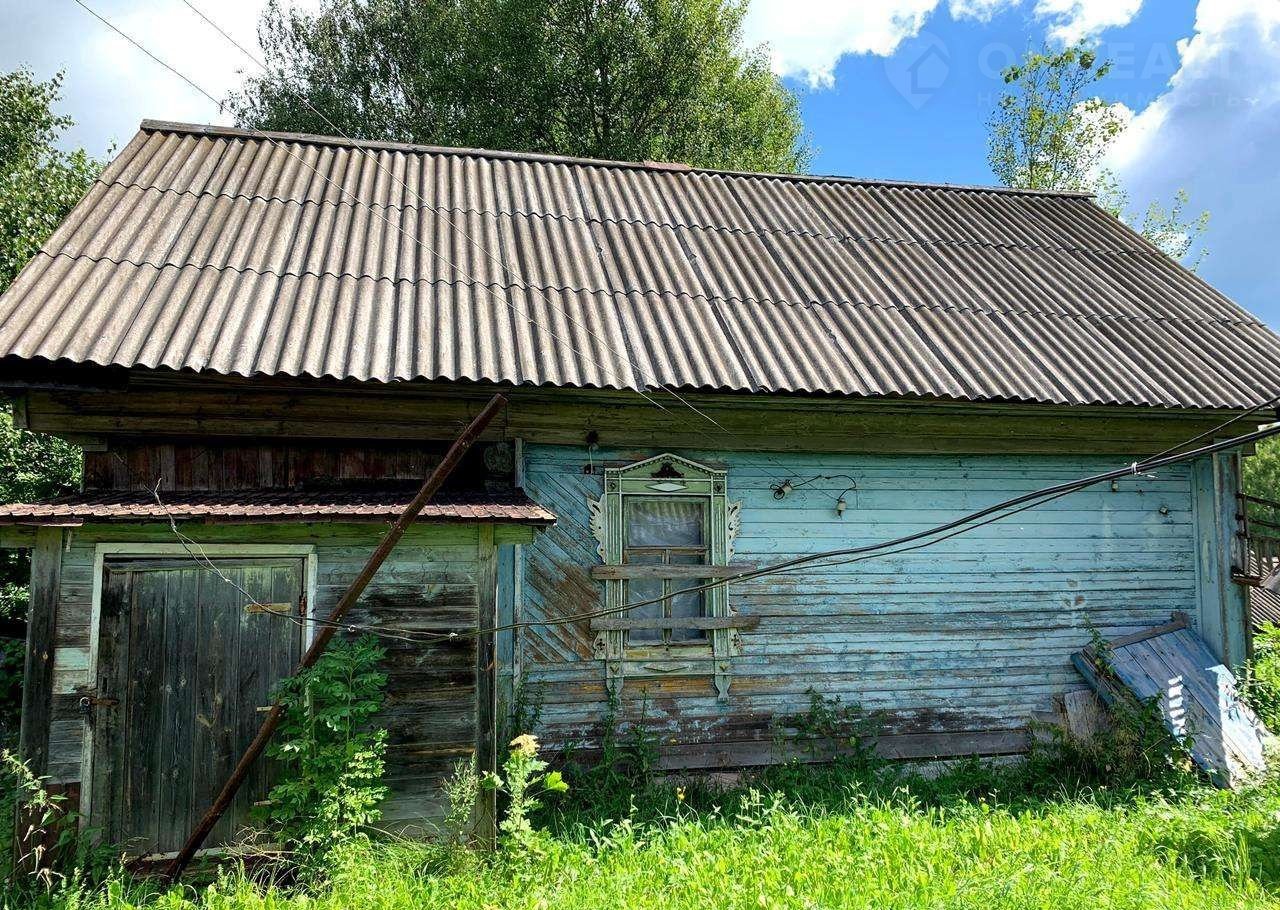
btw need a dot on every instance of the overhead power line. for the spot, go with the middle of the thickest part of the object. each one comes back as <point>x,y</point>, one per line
<point>914,541</point>
<point>647,378</point>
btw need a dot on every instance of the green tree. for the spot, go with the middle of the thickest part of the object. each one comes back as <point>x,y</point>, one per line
<point>1049,133</point>
<point>1260,476</point>
<point>39,185</point>
<point>667,80</point>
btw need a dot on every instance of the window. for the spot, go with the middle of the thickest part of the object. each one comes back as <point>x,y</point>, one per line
<point>665,529</point>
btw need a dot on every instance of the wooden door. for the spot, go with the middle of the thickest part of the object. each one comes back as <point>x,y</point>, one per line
<point>187,659</point>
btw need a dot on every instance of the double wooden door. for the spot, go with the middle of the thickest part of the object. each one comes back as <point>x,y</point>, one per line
<point>188,657</point>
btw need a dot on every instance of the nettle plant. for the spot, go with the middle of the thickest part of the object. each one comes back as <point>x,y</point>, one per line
<point>332,761</point>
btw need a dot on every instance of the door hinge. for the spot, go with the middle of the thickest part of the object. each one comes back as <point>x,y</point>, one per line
<point>89,702</point>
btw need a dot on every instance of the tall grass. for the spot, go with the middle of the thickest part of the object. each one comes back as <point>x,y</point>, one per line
<point>837,837</point>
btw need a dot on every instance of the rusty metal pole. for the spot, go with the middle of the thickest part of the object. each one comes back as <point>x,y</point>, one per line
<point>322,639</point>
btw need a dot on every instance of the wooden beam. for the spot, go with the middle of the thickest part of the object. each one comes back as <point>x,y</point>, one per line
<point>37,687</point>
<point>42,618</point>
<point>486,813</point>
<point>15,537</point>
<point>614,573</point>
<point>677,622</point>
<point>429,488</point>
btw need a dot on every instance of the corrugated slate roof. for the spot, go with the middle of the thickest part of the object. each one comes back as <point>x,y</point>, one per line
<point>250,253</point>
<point>260,506</point>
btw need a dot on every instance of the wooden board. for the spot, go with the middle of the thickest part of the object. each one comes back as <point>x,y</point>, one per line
<point>181,672</point>
<point>1195,692</point>
<point>952,642</point>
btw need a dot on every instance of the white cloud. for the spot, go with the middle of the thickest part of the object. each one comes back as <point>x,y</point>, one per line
<point>110,86</point>
<point>1215,132</point>
<point>1071,20</point>
<point>807,38</point>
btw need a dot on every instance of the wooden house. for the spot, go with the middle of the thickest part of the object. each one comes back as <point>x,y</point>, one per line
<point>263,341</point>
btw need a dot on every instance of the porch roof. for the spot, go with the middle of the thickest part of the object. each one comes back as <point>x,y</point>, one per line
<point>273,506</point>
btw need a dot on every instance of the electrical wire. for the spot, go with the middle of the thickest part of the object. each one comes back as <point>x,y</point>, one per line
<point>648,379</point>
<point>852,554</point>
<point>906,543</point>
<point>1271,402</point>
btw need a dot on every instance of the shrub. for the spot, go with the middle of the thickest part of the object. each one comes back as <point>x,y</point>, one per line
<point>331,761</point>
<point>1260,679</point>
<point>831,728</point>
<point>49,851</point>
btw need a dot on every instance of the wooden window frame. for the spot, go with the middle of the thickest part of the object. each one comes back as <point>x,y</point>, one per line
<point>662,477</point>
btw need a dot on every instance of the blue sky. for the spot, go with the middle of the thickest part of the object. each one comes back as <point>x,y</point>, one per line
<point>888,88</point>
<point>874,121</point>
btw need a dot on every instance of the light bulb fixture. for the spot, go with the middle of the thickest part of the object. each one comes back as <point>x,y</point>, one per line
<point>841,502</point>
<point>781,490</point>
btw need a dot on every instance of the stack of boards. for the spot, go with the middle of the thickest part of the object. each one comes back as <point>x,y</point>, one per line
<point>1196,694</point>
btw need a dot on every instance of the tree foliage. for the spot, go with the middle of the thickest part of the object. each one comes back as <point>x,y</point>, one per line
<point>1260,476</point>
<point>39,183</point>
<point>662,80</point>
<point>1049,133</point>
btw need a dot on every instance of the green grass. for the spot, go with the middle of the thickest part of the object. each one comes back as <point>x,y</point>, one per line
<point>836,837</point>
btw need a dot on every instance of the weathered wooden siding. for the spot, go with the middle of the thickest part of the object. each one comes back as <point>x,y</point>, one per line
<point>265,408</point>
<point>958,643</point>
<point>222,465</point>
<point>428,583</point>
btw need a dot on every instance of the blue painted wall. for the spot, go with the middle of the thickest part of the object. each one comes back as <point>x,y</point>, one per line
<point>959,643</point>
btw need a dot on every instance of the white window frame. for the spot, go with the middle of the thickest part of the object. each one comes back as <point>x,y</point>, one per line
<point>665,476</point>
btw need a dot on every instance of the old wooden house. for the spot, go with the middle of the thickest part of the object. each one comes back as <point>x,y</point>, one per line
<point>263,341</point>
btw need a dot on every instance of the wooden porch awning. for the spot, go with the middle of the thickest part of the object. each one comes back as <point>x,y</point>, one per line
<point>262,506</point>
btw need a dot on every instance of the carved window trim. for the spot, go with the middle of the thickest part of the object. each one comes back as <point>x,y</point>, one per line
<point>661,476</point>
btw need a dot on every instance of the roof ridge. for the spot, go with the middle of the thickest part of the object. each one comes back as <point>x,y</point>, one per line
<point>197,129</point>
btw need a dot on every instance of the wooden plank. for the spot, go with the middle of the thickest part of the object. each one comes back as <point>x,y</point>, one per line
<point>38,668</point>
<point>106,793</point>
<point>42,618</point>
<point>17,537</point>
<point>263,408</point>
<point>688,622</point>
<point>1178,622</point>
<point>1196,695</point>
<point>173,798</point>
<point>145,749</point>
<point>603,573</point>
<point>913,746</point>
<point>1082,715</point>
<point>487,747</point>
